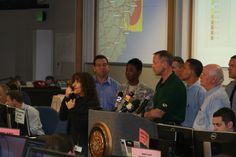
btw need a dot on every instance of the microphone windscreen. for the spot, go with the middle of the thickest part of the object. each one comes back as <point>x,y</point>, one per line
<point>143,105</point>
<point>119,97</point>
<point>134,105</point>
<point>118,100</point>
<point>120,94</point>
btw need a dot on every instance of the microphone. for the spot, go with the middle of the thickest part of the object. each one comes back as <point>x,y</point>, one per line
<point>143,105</point>
<point>131,107</point>
<point>118,100</point>
<point>127,100</point>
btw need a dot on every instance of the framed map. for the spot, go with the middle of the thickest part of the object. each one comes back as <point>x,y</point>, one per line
<point>128,29</point>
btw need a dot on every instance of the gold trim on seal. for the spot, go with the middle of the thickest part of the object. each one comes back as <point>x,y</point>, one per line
<point>100,140</point>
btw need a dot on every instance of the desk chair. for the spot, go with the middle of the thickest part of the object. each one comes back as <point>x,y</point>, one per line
<point>49,119</point>
<point>61,127</point>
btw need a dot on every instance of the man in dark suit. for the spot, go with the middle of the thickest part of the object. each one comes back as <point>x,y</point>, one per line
<point>230,88</point>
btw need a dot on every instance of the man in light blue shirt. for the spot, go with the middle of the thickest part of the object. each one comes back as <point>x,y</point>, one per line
<point>190,73</point>
<point>216,97</point>
<point>106,86</point>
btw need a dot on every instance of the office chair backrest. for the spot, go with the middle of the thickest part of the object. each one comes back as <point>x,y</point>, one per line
<point>49,118</point>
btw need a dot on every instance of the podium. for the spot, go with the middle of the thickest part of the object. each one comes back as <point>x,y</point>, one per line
<point>107,128</point>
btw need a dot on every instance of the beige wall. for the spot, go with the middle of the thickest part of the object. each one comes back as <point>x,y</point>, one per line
<point>118,73</point>
<point>17,37</point>
<point>147,77</point>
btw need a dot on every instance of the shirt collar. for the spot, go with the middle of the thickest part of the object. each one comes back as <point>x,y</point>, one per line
<point>213,90</point>
<point>193,85</point>
<point>170,77</point>
<point>108,81</point>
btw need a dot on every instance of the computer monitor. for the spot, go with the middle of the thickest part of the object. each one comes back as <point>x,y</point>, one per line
<point>7,120</point>
<point>126,146</point>
<point>24,128</point>
<point>3,116</point>
<point>179,140</point>
<point>41,152</point>
<point>32,143</point>
<point>209,143</point>
<point>11,146</point>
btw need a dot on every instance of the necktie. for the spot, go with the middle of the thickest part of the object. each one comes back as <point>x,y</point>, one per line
<point>232,96</point>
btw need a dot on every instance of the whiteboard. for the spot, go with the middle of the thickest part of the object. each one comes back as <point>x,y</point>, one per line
<point>214,33</point>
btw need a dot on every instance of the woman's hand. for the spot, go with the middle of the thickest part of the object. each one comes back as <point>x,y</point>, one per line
<point>70,104</point>
<point>68,91</point>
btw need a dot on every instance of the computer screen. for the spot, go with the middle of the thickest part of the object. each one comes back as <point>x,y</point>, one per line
<point>11,146</point>
<point>179,139</point>
<point>24,128</point>
<point>32,143</point>
<point>208,143</point>
<point>3,116</point>
<point>40,152</point>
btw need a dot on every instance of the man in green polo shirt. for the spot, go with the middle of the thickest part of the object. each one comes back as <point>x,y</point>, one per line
<point>170,94</point>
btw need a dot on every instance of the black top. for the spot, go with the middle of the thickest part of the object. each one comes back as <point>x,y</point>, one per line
<point>170,97</point>
<point>78,119</point>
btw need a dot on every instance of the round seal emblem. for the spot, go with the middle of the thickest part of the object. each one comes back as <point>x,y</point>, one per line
<point>100,140</point>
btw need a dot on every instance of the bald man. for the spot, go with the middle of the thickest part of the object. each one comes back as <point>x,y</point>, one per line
<point>216,97</point>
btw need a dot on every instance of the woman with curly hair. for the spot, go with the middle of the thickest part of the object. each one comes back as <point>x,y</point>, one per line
<point>79,98</point>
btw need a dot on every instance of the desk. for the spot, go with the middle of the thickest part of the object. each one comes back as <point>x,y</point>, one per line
<point>42,96</point>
